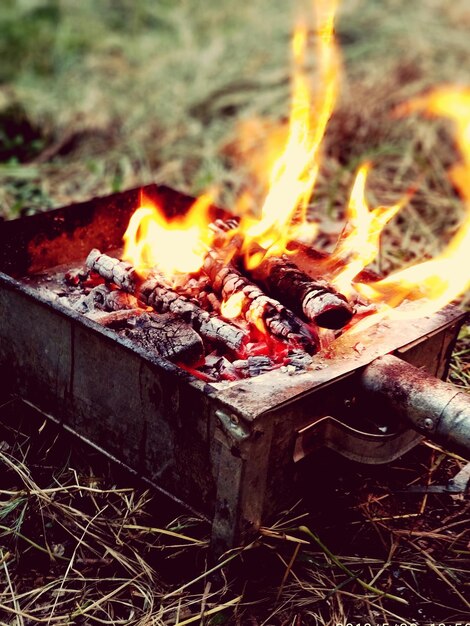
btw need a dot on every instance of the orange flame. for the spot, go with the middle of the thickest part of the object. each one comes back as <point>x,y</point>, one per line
<point>233,306</point>
<point>294,172</point>
<point>436,282</point>
<point>292,157</point>
<point>254,318</point>
<point>172,245</point>
<point>361,245</point>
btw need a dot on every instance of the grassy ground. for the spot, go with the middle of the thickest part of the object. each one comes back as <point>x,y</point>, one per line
<point>102,96</point>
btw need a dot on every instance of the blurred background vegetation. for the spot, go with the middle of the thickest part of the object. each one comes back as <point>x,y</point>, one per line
<point>97,96</point>
<point>102,95</point>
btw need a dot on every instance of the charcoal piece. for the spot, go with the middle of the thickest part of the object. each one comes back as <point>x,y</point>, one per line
<point>277,320</point>
<point>191,287</point>
<point>116,319</point>
<point>104,298</point>
<point>213,301</point>
<point>168,336</point>
<point>259,364</point>
<point>240,365</point>
<point>117,300</point>
<point>299,359</point>
<point>316,299</point>
<point>253,365</point>
<point>155,291</point>
<point>76,276</point>
<point>219,367</point>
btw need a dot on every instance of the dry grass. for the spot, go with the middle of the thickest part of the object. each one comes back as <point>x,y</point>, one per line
<point>78,549</point>
<point>141,91</point>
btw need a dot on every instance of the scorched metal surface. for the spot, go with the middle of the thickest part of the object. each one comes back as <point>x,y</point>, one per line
<point>229,450</point>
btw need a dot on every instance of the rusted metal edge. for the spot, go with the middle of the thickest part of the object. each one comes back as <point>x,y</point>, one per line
<point>273,390</point>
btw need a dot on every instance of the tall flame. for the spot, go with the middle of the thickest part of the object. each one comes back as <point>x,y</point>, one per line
<point>360,246</point>
<point>294,172</point>
<point>173,245</point>
<point>436,282</point>
<point>178,245</point>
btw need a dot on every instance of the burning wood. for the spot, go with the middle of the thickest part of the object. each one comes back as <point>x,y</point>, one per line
<point>154,292</point>
<point>314,298</point>
<point>255,306</point>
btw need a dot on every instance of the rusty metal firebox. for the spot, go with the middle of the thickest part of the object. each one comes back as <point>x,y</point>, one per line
<point>229,450</point>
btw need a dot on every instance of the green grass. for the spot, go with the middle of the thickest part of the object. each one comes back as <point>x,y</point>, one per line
<point>131,92</point>
<point>120,93</point>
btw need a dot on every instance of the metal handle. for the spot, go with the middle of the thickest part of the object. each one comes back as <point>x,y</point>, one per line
<point>438,410</point>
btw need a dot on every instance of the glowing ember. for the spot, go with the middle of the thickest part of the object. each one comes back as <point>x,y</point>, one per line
<point>257,322</point>
<point>174,245</point>
<point>232,308</point>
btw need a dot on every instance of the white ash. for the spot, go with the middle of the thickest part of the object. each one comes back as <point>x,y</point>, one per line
<point>103,298</point>
<point>317,301</point>
<point>254,365</point>
<point>219,367</point>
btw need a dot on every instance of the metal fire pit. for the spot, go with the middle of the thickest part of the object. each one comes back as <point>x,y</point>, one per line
<point>228,450</point>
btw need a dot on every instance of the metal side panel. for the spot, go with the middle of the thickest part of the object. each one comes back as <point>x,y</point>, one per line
<point>35,351</point>
<point>148,418</point>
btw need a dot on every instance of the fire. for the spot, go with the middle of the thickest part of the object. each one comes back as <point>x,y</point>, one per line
<point>233,306</point>
<point>294,172</point>
<point>172,245</point>
<point>434,283</point>
<point>288,171</point>
<point>360,246</point>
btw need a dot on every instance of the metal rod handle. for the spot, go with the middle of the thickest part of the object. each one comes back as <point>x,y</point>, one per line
<point>438,410</point>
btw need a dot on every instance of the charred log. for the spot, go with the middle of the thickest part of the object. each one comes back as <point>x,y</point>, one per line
<point>155,292</point>
<point>314,298</point>
<point>120,273</point>
<point>256,305</point>
<point>166,335</point>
